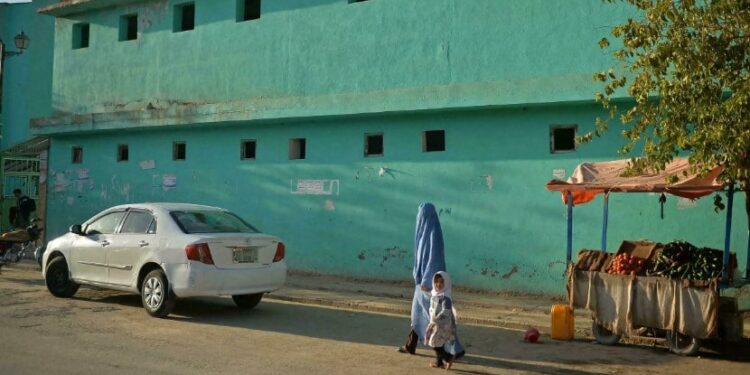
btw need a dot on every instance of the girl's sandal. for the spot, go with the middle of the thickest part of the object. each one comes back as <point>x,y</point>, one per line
<point>448,365</point>
<point>435,365</point>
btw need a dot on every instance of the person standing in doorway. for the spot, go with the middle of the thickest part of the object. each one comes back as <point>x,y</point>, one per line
<point>429,259</point>
<point>24,207</point>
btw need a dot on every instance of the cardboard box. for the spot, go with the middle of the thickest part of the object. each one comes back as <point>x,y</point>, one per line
<point>640,249</point>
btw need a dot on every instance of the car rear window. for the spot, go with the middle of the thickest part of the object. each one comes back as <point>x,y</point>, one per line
<point>211,221</point>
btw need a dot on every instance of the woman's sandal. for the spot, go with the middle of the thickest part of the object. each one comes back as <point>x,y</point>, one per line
<point>402,349</point>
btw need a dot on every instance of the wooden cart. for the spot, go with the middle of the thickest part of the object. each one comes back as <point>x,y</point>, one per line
<point>686,315</point>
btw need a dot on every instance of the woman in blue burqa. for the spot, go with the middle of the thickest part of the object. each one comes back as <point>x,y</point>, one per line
<point>429,258</point>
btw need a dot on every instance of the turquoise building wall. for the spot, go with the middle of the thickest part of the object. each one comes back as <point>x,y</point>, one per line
<point>494,74</point>
<point>27,79</point>
<point>325,58</point>
<point>503,230</point>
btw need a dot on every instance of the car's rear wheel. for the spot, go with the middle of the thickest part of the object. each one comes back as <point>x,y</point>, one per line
<point>58,279</point>
<point>247,301</point>
<point>156,295</point>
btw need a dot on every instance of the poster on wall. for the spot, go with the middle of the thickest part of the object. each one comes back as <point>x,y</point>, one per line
<point>147,164</point>
<point>315,187</point>
<point>169,182</point>
<point>83,174</point>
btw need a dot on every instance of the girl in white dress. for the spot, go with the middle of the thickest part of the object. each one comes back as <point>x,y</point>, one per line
<point>442,326</point>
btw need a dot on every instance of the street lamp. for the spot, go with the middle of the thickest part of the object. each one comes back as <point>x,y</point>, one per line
<point>21,41</point>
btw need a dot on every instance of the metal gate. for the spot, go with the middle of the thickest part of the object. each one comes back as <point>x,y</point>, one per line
<point>18,173</point>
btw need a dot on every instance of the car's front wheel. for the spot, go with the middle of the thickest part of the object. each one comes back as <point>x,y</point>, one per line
<point>247,301</point>
<point>156,295</point>
<point>58,279</point>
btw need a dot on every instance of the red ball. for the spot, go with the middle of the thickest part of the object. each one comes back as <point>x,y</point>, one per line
<point>532,335</point>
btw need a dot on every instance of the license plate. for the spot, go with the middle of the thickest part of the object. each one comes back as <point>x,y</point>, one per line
<point>245,255</point>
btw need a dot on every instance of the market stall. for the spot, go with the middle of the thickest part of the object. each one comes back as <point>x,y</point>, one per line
<point>666,289</point>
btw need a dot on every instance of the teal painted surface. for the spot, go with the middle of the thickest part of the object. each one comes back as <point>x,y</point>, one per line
<point>27,81</point>
<point>325,58</point>
<point>503,230</point>
<point>331,71</point>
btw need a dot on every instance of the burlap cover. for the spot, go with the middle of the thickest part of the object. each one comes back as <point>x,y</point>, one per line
<point>621,303</point>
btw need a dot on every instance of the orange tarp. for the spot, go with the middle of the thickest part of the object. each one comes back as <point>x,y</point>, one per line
<point>590,179</point>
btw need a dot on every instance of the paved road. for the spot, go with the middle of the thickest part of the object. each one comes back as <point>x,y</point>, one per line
<point>103,332</point>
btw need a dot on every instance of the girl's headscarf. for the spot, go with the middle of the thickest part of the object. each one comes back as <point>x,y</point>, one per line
<point>446,292</point>
<point>429,257</point>
<point>446,285</point>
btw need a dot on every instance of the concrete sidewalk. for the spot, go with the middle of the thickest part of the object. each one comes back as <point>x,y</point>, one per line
<point>392,297</point>
<point>504,310</point>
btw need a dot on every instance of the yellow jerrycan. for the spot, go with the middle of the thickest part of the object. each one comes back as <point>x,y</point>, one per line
<point>563,322</point>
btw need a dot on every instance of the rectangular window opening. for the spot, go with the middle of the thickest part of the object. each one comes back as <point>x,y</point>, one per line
<point>433,140</point>
<point>373,144</point>
<point>77,155</point>
<point>129,27</point>
<point>248,10</point>
<point>179,151</point>
<point>563,138</point>
<point>357,1</point>
<point>297,148</point>
<point>248,149</point>
<point>122,153</point>
<point>184,17</point>
<point>81,35</point>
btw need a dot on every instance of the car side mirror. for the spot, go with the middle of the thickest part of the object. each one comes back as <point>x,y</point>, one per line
<point>76,229</point>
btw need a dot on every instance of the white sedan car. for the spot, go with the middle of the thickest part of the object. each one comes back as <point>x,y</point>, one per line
<point>165,251</point>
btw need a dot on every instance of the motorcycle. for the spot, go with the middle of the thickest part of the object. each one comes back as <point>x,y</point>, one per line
<point>14,245</point>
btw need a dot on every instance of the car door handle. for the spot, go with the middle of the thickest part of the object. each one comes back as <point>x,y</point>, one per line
<point>142,243</point>
<point>104,243</point>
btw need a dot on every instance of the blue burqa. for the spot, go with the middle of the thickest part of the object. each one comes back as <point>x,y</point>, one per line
<point>429,258</point>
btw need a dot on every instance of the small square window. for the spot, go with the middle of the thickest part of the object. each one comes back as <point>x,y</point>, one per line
<point>129,27</point>
<point>297,148</point>
<point>81,35</point>
<point>184,17</point>
<point>433,140</point>
<point>248,10</point>
<point>179,151</point>
<point>247,149</point>
<point>562,138</point>
<point>122,153</point>
<point>373,144</point>
<point>356,1</point>
<point>77,155</point>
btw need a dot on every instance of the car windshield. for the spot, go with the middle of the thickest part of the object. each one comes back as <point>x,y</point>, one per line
<point>211,221</point>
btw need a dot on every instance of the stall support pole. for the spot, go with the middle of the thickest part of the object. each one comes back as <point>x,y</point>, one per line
<point>747,257</point>
<point>728,235</point>
<point>605,221</point>
<point>569,254</point>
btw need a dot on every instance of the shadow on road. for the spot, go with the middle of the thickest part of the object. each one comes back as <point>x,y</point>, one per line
<point>486,346</point>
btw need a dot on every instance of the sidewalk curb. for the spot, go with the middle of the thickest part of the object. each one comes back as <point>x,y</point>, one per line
<point>25,264</point>
<point>580,333</point>
<point>367,307</point>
